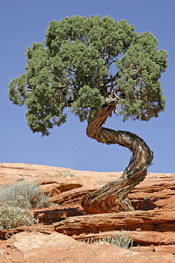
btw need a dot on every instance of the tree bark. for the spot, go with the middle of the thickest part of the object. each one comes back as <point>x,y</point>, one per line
<point>114,195</point>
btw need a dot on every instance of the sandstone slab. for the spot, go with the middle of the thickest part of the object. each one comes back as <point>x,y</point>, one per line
<point>29,247</point>
<point>151,226</point>
<point>152,220</point>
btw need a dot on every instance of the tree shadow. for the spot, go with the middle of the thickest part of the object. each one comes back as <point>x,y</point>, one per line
<point>49,216</point>
<point>143,204</point>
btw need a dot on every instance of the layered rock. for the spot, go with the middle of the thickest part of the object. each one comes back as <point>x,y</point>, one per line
<point>156,220</point>
<point>151,225</point>
<point>36,247</point>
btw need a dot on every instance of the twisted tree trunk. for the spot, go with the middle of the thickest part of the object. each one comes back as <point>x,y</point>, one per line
<point>113,196</point>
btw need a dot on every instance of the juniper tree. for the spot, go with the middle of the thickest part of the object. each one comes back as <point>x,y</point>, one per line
<point>96,67</point>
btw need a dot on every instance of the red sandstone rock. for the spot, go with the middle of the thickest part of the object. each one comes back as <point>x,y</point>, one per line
<point>36,247</point>
<point>157,190</point>
<point>153,220</point>
<point>149,241</point>
<point>71,197</point>
<point>57,188</point>
<point>152,225</point>
<point>56,214</point>
<point>143,238</point>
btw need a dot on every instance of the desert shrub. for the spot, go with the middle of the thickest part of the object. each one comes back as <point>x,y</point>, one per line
<point>11,217</point>
<point>123,240</point>
<point>24,195</point>
<point>65,174</point>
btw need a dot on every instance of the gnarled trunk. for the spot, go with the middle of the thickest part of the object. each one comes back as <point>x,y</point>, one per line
<point>113,196</point>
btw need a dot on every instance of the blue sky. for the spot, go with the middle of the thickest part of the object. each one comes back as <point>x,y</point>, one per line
<point>23,22</point>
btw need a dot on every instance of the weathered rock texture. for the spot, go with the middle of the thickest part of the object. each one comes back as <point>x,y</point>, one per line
<point>36,247</point>
<point>151,225</point>
<point>156,220</point>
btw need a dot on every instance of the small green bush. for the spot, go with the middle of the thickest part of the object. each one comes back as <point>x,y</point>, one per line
<point>11,217</point>
<point>24,195</point>
<point>64,174</point>
<point>15,201</point>
<point>122,240</point>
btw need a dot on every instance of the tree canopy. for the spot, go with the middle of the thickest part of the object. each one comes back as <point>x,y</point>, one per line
<point>82,62</point>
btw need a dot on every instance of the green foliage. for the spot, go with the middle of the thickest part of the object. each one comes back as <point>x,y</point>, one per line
<point>84,105</point>
<point>24,195</point>
<point>82,62</point>
<point>140,68</point>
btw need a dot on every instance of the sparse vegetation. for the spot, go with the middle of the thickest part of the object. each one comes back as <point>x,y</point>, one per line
<point>123,240</point>
<point>11,217</point>
<point>15,202</point>
<point>24,195</point>
<point>65,174</point>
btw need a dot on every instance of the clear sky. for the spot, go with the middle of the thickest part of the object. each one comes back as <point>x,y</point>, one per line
<point>25,21</point>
